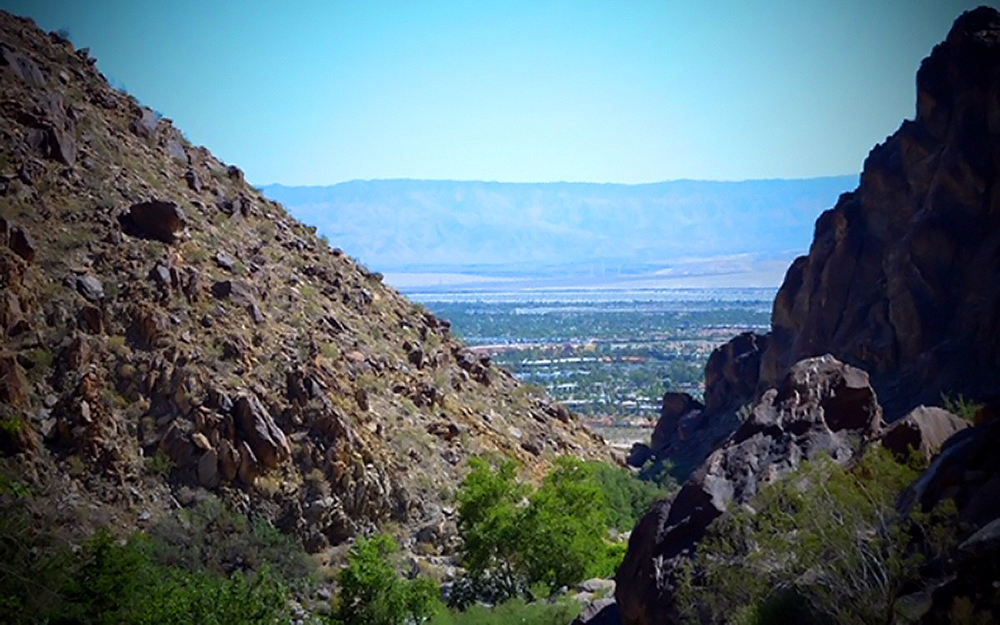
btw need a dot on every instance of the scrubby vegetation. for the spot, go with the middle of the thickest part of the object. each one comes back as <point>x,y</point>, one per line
<point>210,564</point>
<point>515,538</point>
<point>372,593</point>
<point>824,545</point>
<point>43,579</point>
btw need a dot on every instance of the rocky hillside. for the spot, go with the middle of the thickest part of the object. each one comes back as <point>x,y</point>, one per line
<point>900,284</point>
<point>168,330</point>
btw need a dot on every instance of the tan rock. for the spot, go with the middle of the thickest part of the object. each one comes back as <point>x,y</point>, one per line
<point>201,441</point>
<point>229,460</point>
<point>924,430</point>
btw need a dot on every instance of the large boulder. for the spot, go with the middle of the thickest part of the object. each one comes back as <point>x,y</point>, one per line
<point>677,409</point>
<point>924,430</point>
<point>261,433</point>
<point>733,371</point>
<point>158,220</point>
<point>821,407</point>
<point>600,612</point>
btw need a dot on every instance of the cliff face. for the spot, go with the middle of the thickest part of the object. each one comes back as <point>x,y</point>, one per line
<point>901,279</point>
<point>167,330</point>
<point>901,283</point>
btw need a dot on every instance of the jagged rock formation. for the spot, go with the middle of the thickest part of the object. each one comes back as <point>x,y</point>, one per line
<point>687,430</point>
<point>167,328</point>
<point>901,279</point>
<point>822,406</point>
<point>901,282</point>
<point>967,473</point>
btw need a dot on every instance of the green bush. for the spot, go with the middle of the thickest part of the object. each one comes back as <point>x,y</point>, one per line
<point>825,540</point>
<point>513,611</point>
<point>628,497</point>
<point>563,530</point>
<point>372,593</point>
<point>960,406</point>
<point>212,537</point>
<point>113,582</point>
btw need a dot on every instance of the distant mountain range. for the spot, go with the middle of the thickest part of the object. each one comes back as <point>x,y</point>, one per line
<point>560,229</point>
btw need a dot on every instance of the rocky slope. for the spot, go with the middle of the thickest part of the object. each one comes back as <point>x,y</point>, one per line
<point>169,330</point>
<point>900,284</point>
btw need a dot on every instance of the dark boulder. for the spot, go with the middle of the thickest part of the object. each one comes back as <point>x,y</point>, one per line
<point>17,239</point>
<point>261,433</point>
<point>22,67</point>
<point>90,287</point>
<point>676,409</point>
<point>145,125</point>
<point>733,371</point>
<point>158,220</point>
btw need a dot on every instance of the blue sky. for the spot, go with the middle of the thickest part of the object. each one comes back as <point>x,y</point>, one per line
<point>318,92</point>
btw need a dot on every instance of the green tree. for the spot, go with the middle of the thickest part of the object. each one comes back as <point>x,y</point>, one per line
<point>372,593</point>
<point>628,497</point>
<point>563,529</point>
<point>513,537</point>
<point>488,514</point>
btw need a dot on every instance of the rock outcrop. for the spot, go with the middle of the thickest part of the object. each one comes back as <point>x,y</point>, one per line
<point>902,276</point>
<point>822,406</point>
<point>687,430</point>
<point>966,473</point>
<point>166,329</point>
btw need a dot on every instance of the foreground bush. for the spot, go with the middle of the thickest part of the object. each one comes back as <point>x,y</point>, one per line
<point>110,580</point>
<point>823,544</point>
<point>514,611</point>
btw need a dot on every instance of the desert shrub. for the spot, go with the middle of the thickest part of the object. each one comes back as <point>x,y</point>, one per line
<point>372,593</point>
<point>824,541</point>
<point>959,405</point>
<point>124,583</point>
<point>211,536</point>
<point>108,580</point>
<point>33,564</point>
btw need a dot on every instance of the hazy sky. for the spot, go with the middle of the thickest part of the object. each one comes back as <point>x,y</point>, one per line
<point>625,91</point>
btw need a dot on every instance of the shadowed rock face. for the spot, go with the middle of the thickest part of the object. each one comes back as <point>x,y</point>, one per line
<point>687,430</point>
<point>901,279</point>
